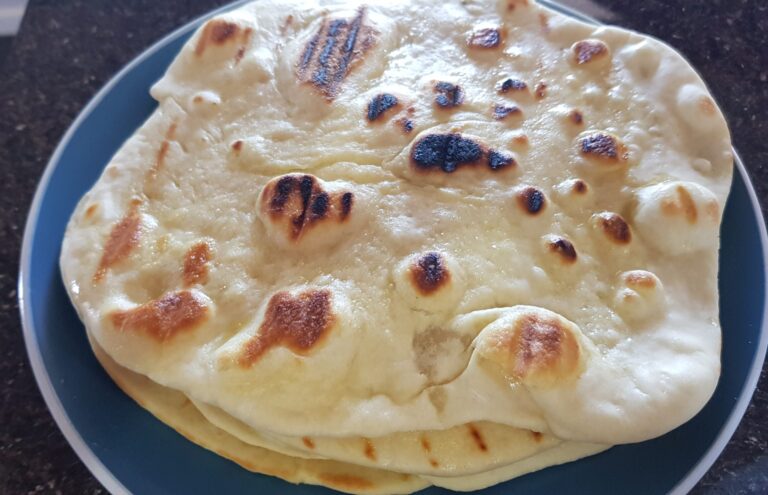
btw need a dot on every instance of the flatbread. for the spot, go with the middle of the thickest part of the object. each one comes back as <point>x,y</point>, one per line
<point>363,223</point>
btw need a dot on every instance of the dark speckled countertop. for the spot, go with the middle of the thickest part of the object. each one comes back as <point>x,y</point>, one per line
<point>67,49</point>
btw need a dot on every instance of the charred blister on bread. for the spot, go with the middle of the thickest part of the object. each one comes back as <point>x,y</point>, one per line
<point>447,152</point>
<point>502,112</point>
<point>163,318</point>
<point>561,248</point>
<point>485,37</point>
<point>330,55</point>
<point>603,148</point>
<point>220,33</point>
<point>429,273</point>
<point>379,105</point>
<point>431,281</point>
<point>448,95</point>
<point>533,346</point>
<point>531,200</point>
<point>297,210</point>
<point>298,322</point>
<point>590,52</point>
<point>512,85</point>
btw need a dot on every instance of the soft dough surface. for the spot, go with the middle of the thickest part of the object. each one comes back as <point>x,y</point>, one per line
<point>355,223</point>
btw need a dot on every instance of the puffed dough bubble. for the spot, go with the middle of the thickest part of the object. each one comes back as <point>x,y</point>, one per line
<point>640,296</point>
<point>430,281</point>
<point>678,217</point>
<point>697,108</point>
<point>533,346</point>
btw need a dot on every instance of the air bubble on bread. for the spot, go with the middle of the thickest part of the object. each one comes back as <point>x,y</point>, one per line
<point>573,194</point>
<point>533,346</point>
<point>430,281</point>
<point>642,59</point>
<point>639,296</point>
<point>561,249</point>
<point>591,53</point>
<point>602,149</point>
<point>301,211</point>
<point>612,227</point>
<point>697,109</point>
<point>678,217</point>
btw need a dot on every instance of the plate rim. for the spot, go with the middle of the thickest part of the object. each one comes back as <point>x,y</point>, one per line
<point>94,464</point>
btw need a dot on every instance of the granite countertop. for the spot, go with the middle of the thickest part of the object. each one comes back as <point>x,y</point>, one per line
<point>67,49</point>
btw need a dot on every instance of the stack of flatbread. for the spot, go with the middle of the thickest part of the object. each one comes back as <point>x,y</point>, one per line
<point>380,246</point>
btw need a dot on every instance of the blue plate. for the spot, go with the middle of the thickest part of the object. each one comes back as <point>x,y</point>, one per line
<point>130,451</point>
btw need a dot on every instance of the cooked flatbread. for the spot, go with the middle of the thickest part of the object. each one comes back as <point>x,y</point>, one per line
<point>348,228</point>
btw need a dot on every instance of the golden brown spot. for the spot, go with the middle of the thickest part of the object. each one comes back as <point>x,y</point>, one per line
<point>162,153</point>
<point>707,106</point>
<point>563,248</point>
<point>536,436</point>
<point>299,202</point>
<point>196,264</point>
<point>580,187</point>
<point>614,227</point>
<point>218,32</point>
<point>541,90</point>
<point>345,482</point>
<point>485,38</point>
<point>429,273</point>
<point>531,200</point>
<point>308,442</point>
<point>333,52</point>
<point>433,462</point>
<point>477,437</point>
<point>603,147</point>
<point>576,117</point>
<point>121,241</point>
<point>689,206</point>
<point>586,51</point>
<point>521,141</point>
<point>541,346</point>
<point>91,210</point>
<point>513,4</point>
<point>640,279</point>
<point>369,450</point>
<point>197,99</point>
<point>163,318</point>
<point>297,322</point>
<point>237,145</point>
<point>425,444</point>
<point>712,209</point>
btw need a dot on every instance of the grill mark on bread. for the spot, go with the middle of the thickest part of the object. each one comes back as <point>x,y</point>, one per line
<point>448,95</point>
<point>477,437</point>
<point>380,104</point>
<point>196,264</point>
<point>341,44</point>
<point>297,322</point>
<point>429,273</point>
<point>123,238</point>
<point>614,227</point>
<point>163,318</point>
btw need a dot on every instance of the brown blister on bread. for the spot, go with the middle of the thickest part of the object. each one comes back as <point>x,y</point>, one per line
<point>485,38</point>
<point>603,147</point>
<point>220,32</point>
<point>613,225</point>
<point>195,269</point>
<point>640,280</point>
<point>590,52</point>
<point>90,211</point>
<point>531,200</point>
<point>576,117</point>
<point>514,4</point>
<point>580,187</point>
<point>562,248</point>
<point>295,204</point>
<point>447,95</point>
<point>122,240</point>
<point>537,436</point>
<point>247,33</point>
<point>429,273</point>
<point>537,349</point>
<point>368,449</point>
<point>237,146</point>
<point>541,90</point>
<point>299,322</point>
<point>501,112</point>
<point>683,204</point>
<point>163,318</point>
<point>332,53</point>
